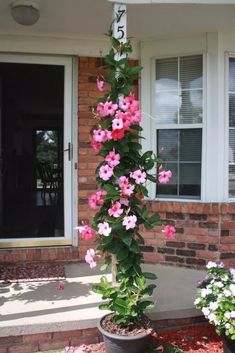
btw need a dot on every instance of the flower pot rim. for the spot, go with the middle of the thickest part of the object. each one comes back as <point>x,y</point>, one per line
<point>120,337</point>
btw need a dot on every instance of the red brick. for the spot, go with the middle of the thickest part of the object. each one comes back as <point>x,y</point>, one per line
<point>3,349</point>
<point>24,348</point>
<point>67,334</point>
<point>11,339</point>
<point>53,344</point>
<point>37,337</point>
<point>84,340</point>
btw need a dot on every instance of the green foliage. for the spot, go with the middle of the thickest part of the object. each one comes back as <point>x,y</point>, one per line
<point>130,298</point>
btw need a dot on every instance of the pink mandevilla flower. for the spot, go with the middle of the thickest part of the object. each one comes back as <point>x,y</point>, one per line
<point>127,190</point>
<point>95,200</point>
<point>136,117</point>
<point>129,222</point>
<point>169,232</point>
<point>126,119</point>
<point>160,349</point>
<point>117,124</point>
<point>100,84</point>
<point>99,195</point>
<point>70,349</point>
<point>110,108</point>
<point>104,229</point>
<point>86,232</point>
<point>113,158</point>
<point>164,176</point>
<point>116,210</point>
<point>101,111</point>
<point>99,135</point>
<point>139,176</point>
<point>124,201</point>
<point>89,258</point>
<point>124,104</point>
<point>96,146</point>
<point>105,172</point>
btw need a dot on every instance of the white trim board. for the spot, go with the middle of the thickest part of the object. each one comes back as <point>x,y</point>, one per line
<point>192,2</point>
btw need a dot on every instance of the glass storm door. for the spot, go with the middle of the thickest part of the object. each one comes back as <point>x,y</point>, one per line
<point>36,151</point>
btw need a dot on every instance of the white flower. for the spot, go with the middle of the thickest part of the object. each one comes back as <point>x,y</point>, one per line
<point>232,288</point>
<point>205,292</point>
<point>211,264</point>
<point>205,311</point>
<point>227,326</point>
<point>219,284</point>
<point>227,314</point>
<point>197,301</point>
<point>213,305</point>
<point>213,318</point>
<point>227,293</point>
<point>232,314</point>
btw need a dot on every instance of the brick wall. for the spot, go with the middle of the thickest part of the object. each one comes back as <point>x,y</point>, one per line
<point>204,231</point>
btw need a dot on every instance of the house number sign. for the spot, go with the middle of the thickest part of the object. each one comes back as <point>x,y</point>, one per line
<point>119,25</point>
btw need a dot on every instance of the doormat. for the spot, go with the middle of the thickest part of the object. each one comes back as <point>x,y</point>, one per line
<point>31,272</point>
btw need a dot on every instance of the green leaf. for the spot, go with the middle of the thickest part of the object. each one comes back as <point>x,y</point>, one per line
<point>149,275</point>
<point>147,304</point>
<point>104,307</point>
<point>126,238</point>
<point>134,247</point>
<point>122,253</point>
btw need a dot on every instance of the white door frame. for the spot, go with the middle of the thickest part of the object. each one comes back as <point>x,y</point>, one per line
<point>70,136</point>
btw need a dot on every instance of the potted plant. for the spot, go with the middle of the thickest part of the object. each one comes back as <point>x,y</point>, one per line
<point>121,211</point>
<point>217,302</point>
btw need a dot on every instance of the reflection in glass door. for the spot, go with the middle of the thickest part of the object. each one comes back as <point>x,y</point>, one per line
<point>32,134</point>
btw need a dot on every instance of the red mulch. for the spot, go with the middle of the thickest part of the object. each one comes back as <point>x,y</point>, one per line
<point>196,339</point>
<point>28,272</point>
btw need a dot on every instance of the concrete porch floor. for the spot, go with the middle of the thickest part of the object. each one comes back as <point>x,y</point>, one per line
<point>35,307</point>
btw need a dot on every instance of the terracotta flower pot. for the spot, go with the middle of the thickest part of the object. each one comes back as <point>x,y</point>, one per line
<point>123,344</point>
<point>228,344</point>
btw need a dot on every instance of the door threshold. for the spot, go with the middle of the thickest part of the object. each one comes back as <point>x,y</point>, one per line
<point>35,243</point>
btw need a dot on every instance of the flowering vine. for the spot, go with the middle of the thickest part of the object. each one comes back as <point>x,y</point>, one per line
<point>122,176</point>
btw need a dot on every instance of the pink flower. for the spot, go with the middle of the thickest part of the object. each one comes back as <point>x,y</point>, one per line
<point>124,201</point>
<point>99,195</point>
<point>117,124</point>
<point>139,176</point>
<point>116,210</point>
<point>110,108</point>
<point>128,190</point>
<point>124,104</point>
<point>104,229</point>
<point>95,200</point>
<point>160,349</point>
<point>118,134</point>
<point>129,222</point>
<point>123,181</point>
<point>86,232</point>
<point>169,232</point>
<point>89,258</point>
<point>105,172</point>
<point>96,146</point>
<point>60,286</point>
<point>100,84</point>
<point>99,135</point>
<point>164,176</point>
<point>83,347</point>
<point>92,200</point>
<point>126,119</point>
<point>136,117</point>
<point>108,135</point>
<point>113,158</point>
<point>134,104</point>
<point>101,110</point>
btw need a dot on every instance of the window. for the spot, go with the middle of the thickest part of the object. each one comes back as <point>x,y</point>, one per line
<point>178,107</point>
<point>232,127</point>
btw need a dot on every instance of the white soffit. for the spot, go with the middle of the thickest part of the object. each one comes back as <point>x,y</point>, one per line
<point>195,2</point>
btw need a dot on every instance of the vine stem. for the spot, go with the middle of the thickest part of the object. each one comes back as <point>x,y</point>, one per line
<point>114,270</point>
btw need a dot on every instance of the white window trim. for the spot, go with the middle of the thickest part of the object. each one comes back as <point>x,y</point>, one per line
<point>150,129</point>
